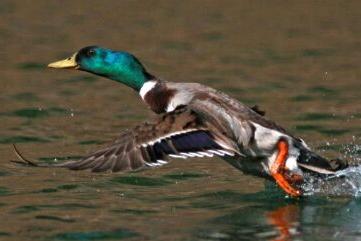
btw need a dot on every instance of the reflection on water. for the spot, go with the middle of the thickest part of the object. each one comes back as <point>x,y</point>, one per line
<point>269,218</point>
<point>298,61</point>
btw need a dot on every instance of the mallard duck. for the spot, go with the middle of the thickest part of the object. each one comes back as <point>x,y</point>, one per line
<point>194,121</point>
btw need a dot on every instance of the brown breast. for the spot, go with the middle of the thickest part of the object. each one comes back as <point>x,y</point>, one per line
<point>159,97</point>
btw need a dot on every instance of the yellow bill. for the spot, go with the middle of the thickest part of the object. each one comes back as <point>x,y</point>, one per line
<point>68,63</point>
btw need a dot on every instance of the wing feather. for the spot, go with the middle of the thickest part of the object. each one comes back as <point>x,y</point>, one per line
<point>180,134</point>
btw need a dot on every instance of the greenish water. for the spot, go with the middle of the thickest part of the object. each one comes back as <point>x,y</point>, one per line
<point>299,61</point>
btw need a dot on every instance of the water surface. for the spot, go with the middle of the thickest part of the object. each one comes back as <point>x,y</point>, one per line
<point>298,61</point>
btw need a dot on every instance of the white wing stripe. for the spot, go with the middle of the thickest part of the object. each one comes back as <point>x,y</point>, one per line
<point>188,154</point>
<point>226,152</point>
<point>216,152</point>
<point>152,142</point>
<point>162,162</point>
<point>178,156</point>
<point>197,154</point>
<point>206,154</point>
<point>155,164</point>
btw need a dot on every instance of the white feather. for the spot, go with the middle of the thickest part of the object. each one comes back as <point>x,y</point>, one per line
<point>178,156</point>
<point>147,86</point>
<point>188,154</point>
<point>197,154</point>
<point>151,142</point>
<point>266,138</point>
<point>162,162</point>
<point>206,153</point>
<point>180,98</point>
<point>226,152</point>
<point>155,164</point>
<point>216,152</point>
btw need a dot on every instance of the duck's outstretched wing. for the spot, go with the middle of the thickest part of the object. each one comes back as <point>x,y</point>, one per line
<point>179,134</point>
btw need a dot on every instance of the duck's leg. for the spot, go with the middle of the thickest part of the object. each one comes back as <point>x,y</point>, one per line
<point>278,170</point>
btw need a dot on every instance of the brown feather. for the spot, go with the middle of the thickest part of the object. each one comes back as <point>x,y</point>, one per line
<point>136,148</point>
<point>159,97</point>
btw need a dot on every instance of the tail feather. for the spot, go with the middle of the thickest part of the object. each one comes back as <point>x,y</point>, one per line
<point>22,160</point>
<point>26,162</point>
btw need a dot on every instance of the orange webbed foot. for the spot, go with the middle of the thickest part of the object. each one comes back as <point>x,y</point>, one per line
<point>278,171</point>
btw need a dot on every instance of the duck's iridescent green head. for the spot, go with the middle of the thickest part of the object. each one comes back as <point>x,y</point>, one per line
<point>116,65</point>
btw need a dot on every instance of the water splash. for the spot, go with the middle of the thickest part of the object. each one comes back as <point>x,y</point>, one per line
<point>346,182</point>
<point>352,151</point>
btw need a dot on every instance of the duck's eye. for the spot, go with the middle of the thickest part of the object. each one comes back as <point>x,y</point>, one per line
<point>90,52</point>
